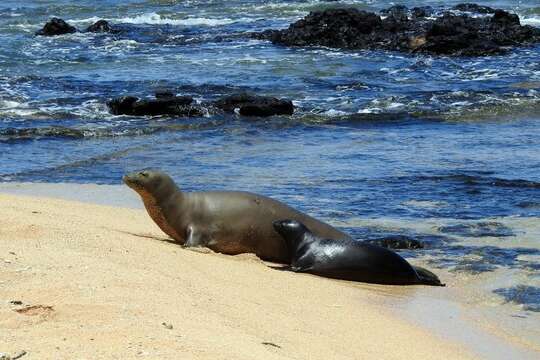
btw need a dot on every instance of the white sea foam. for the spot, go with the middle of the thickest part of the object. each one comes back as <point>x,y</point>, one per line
<point>535,21</point>
<point>10,104</point>
<point>17,112</point>
<point>84,21</point>
<point>425,204</point>
<point>373,110</point>
<point>334,112</point>
<point>157,19</point>
<point>395,106</point>
<point>122,44</point>
<point>461,103</point>
<point>24,27</point>
<point>248,59</point>
<point>154,18</point>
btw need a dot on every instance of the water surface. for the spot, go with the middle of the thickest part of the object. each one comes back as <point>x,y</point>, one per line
<point>446,150</point>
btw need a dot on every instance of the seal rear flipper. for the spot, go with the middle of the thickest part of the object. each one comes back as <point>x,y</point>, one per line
<point>300,269</point>
<point>426,277</point>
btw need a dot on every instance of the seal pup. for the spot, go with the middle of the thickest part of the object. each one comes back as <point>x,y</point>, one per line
<point>229,222</point>
<point>348,259</point>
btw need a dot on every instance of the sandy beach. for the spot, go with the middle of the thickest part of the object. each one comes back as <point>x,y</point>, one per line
<point>102,282</point>
<point>88,281</point>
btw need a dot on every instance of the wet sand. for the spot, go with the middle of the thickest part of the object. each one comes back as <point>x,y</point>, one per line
<point>103,282</point>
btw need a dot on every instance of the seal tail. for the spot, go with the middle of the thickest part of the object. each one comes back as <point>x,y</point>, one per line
<point>426,277</point>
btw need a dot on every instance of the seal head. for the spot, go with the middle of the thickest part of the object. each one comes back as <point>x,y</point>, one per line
<point>157,190</point>
<point>150,183</point>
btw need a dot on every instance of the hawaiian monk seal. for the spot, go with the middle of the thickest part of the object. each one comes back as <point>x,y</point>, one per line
<point>229,222</point>
<point>348,259</point>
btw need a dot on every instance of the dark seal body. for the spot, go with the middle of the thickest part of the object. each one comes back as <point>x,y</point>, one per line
<point>348,259</point>
<point>229,222</point>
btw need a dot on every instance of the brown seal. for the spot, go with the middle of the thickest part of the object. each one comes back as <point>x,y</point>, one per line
<point>229,222</point>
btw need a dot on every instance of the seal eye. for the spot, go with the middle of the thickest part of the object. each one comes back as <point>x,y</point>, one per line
<point>144,173</point>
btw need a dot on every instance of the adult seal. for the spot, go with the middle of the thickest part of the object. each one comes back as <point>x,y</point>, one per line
<point>229,222</point>
<point>348,259</point>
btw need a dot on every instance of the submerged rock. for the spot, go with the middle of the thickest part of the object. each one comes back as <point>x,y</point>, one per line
<point>397,242</point>
<point>254,105</point>
<point>56,26</point>
<point>164,94</point>
<point>480,229</point>
<point>162,105</point>
<point>18,134</point>
<point>409,31</point>
<point>528,297</point>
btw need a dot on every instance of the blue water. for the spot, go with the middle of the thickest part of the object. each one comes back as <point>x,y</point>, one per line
<point>376,135</point>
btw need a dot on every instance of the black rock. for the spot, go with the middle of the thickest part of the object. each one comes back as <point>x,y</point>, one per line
<point>463,35</point>
<point>338,28</point>
<point>56,26</point>
<point>452,34</point>
<point>253,105</point>
<point>122,105</point>
<point>449,34</point>
<point>100,26</point>
<point>169,105</point>
<point>505,18</point>
<point>474,8</point>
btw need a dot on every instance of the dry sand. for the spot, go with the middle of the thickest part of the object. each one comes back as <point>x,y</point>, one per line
<point>100,282</point>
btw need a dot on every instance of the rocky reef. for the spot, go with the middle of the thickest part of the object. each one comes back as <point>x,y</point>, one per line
<point>254,105</point>
<point>417,30</point>
<point>163,104</point>
<point>166,103</point>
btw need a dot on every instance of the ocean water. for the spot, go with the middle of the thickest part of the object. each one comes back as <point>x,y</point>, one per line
<point>442,149</point>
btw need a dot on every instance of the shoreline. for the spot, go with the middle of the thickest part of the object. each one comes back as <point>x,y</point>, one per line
<point>88,229</point>
<point>98,194</point>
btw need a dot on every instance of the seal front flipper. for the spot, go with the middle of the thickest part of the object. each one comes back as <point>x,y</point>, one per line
<point>303,264</point>
<point>194,238</point>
